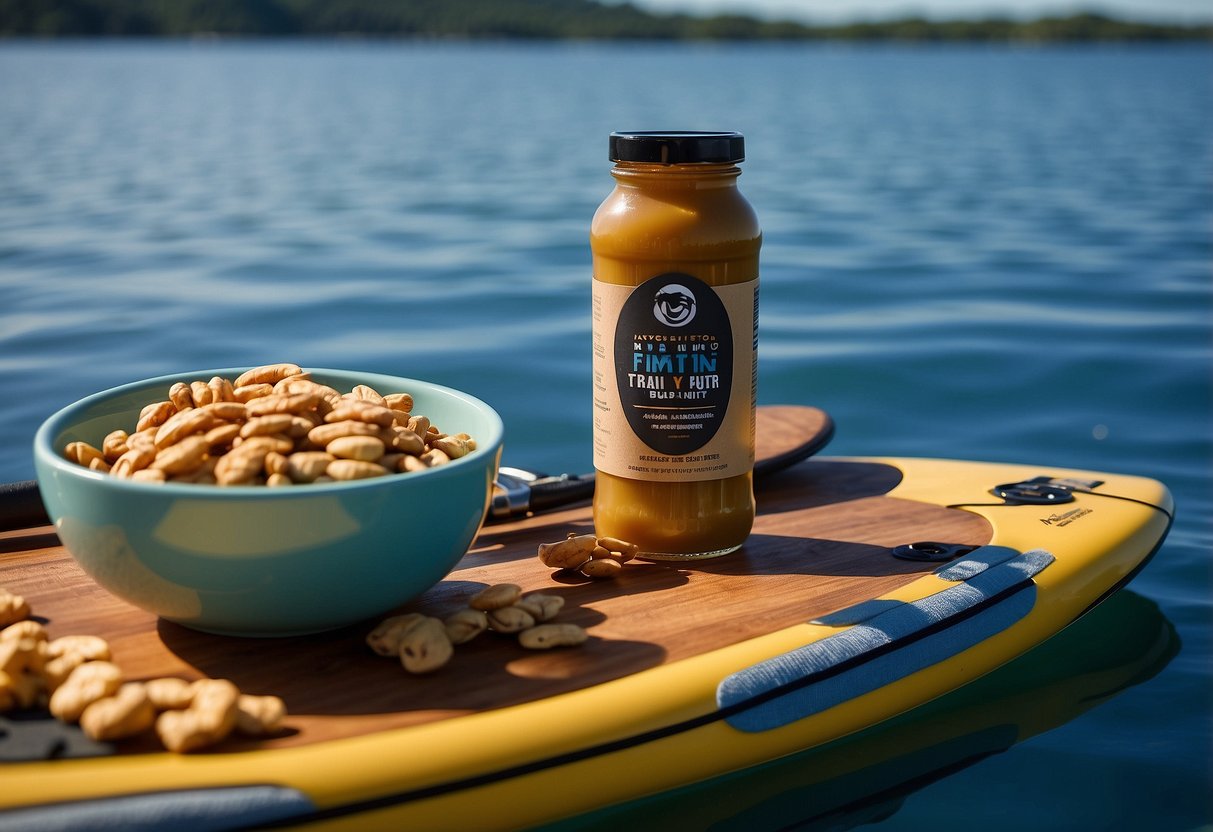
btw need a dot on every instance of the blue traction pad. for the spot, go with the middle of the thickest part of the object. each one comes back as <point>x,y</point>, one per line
<point>190,810</point>
<point>934,628</point>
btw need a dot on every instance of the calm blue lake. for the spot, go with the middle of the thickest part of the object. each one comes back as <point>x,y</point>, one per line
<point>989,253</point>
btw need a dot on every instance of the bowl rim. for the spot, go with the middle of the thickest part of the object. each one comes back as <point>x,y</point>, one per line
<point>46,454</point>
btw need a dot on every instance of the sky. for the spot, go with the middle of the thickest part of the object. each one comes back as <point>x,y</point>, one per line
<point>835,11</point>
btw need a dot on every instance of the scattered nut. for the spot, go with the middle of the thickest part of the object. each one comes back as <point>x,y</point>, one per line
<point>602,568</point>
<point>465,625</point>
<point>569,553</point>
<point>496,597</point>
<point>210,717</point>
<point>541,607</point>
<point>257,716</point>
<point>169,693</point>
<point>547,636</point>
<point>510,619</point>
<point>127,712</point>
<point>425,646</point>
<point>13,608</point>
<point>84,686</point>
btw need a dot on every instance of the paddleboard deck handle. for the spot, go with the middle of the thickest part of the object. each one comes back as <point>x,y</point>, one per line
<point>930,551</point>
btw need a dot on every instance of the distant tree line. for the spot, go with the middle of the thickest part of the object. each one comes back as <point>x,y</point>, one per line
<point>538,19</point>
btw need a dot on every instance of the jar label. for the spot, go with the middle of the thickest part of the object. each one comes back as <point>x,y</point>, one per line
<point>675,365</point>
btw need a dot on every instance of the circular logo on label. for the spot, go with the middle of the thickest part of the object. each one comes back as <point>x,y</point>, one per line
<point>674,305</point>
<point>674,363</point>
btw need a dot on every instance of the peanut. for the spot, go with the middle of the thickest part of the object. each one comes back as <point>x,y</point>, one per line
<point>496,597</point>
<point>257,716</point>
<point>183,457</point>
<point>84,686</point>
<point>569,553</point>
<point>366,448</point>
<point>620,550</point>
<point>601,568</point>
<point>89,648</point>
<point>210,717</point>
<point>13,608</point>
<point>169,694</point>
<point>183,424</point>
<point>385,638</point>
<point>425,646</point>
<point>23,629</point>
<point>465,625</point>
<point>272,426</point>
<point>267,374</point>
<point>540,606</point>
<point>201,393</point>
<point>306,466</point>
<point>154,415</point>
<point>510,619</point>
<point>82,453</point>
<point>114,445</point>
<point>182,396</point>
<point>127,712</point>
<point>547,636</point>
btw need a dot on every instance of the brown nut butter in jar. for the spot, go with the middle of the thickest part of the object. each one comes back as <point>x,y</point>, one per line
<point>675,313</point>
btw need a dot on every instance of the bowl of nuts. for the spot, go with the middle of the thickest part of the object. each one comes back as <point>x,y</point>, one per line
<point>269,501</point>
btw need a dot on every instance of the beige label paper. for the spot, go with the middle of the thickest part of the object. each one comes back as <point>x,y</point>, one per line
<point>675,378</point>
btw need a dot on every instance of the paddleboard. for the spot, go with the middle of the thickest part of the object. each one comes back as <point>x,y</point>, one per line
<point>869,587</point>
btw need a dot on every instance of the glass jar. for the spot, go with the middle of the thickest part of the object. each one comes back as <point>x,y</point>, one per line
<point>675,312</point>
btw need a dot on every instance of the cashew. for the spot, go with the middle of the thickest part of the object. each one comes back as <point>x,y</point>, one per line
<point>127,712</point>
<point>82,453</point>
<point>546,636</point>
<point>354,469</point>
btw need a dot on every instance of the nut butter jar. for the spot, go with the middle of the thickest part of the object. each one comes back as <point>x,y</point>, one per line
<point>675,312</point>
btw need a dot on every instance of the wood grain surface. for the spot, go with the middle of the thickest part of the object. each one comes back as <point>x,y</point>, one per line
<point>822,541</point>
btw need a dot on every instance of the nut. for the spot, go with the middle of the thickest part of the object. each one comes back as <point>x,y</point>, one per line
<point>385,638</point>
<point>547,636</point>
<point>257,716</point>
<point>13,608</point>
<point>84,686</point>
<point>169,693</point>
<point>425,646</point>
<point>601,568</point>
<point>366,448</point>
<point>126,713</point>
<point>541,607</point>
<point>496,597</point>
<point>570,553</point>
<point>354,469</point>
<point>510,619</point>
<point>267,374</point>
<point>210,717</point>
<point>465,625</point>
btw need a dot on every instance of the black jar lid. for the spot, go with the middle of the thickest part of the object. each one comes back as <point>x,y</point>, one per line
<point>675,147</point>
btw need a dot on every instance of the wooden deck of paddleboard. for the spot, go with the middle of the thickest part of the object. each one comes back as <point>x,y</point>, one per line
<point>822,541</point>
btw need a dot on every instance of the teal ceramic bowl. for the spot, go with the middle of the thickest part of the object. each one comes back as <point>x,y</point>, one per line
<point>261,561</point>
